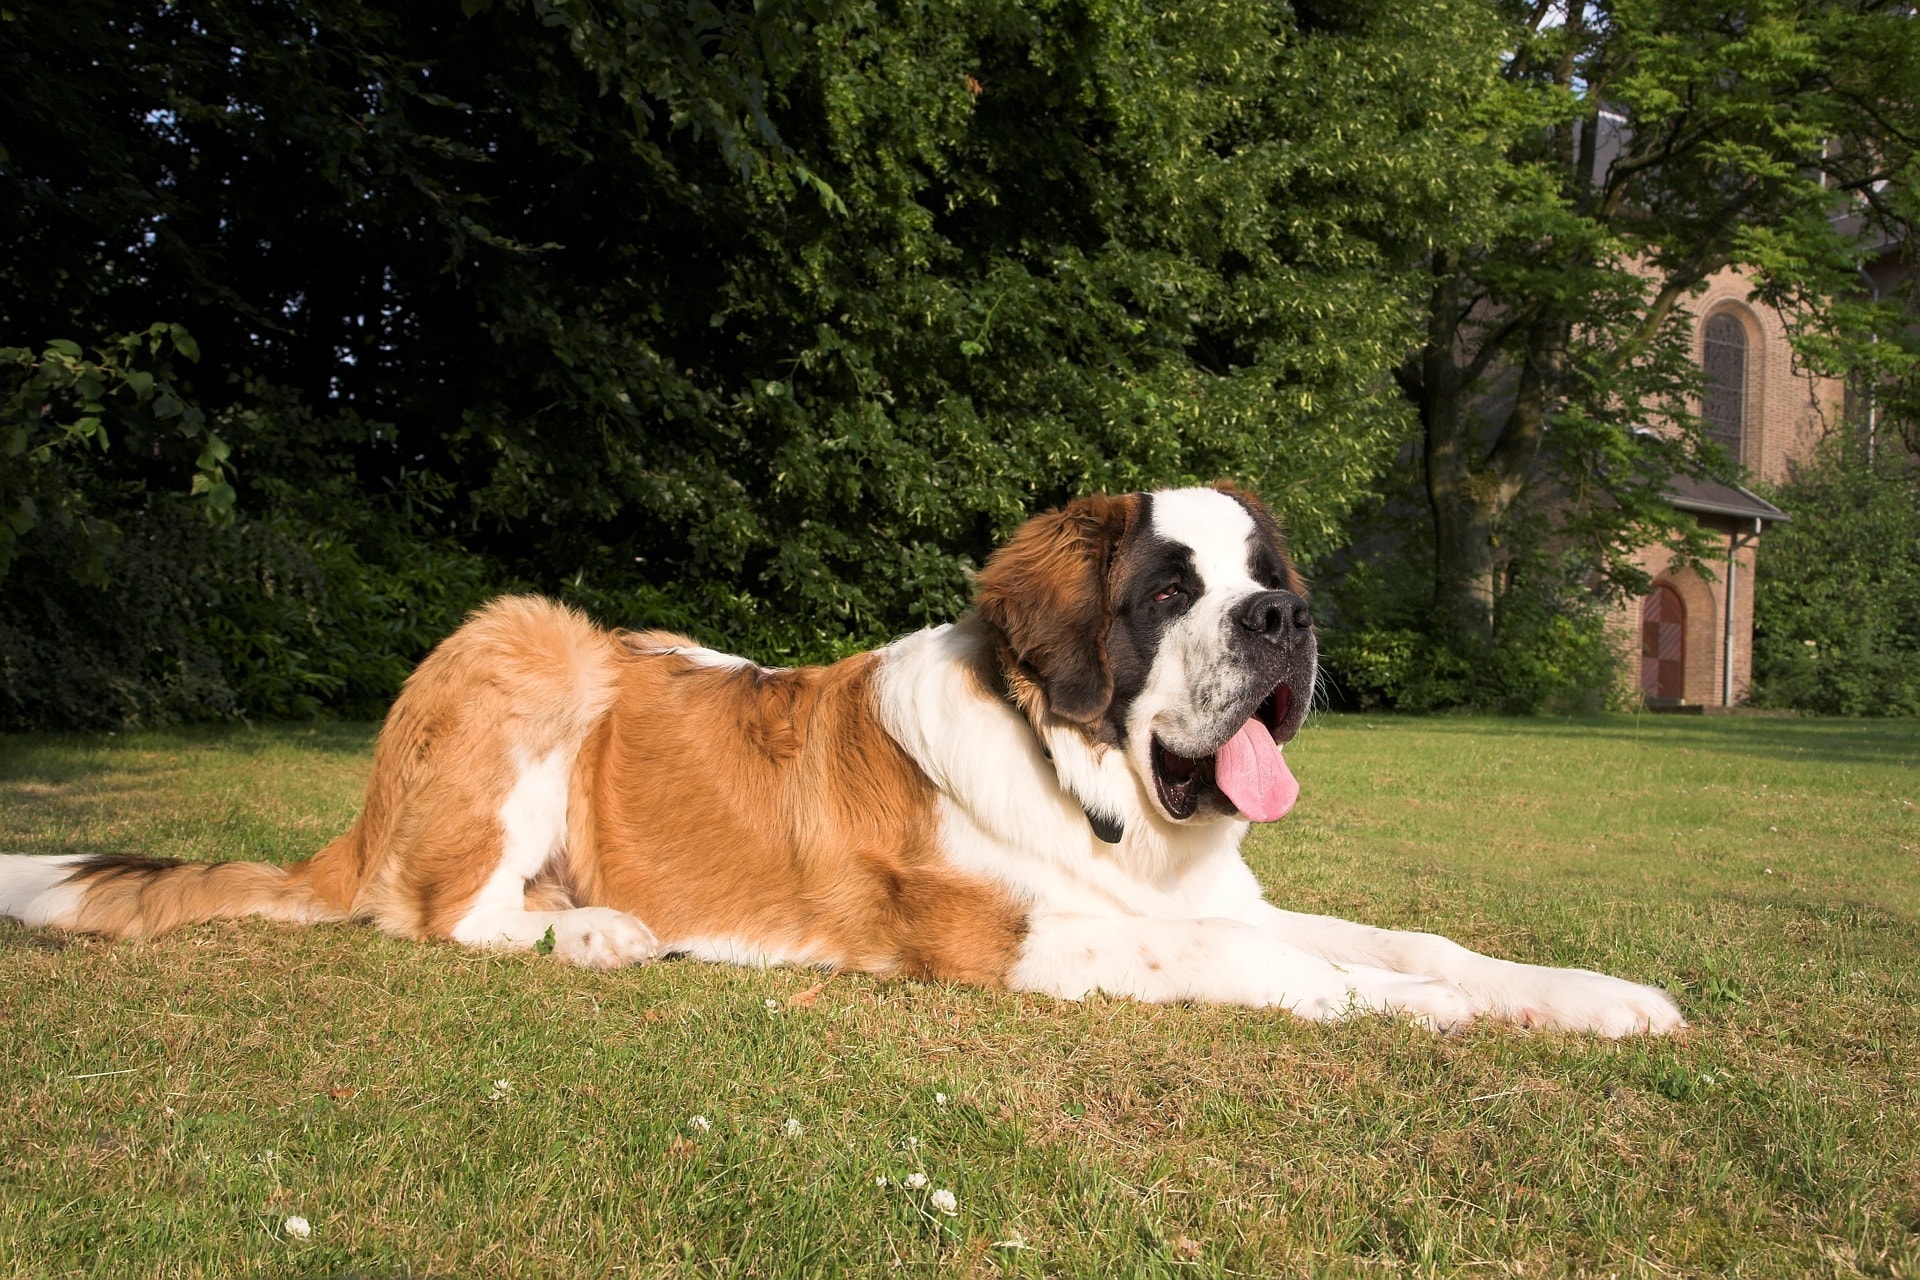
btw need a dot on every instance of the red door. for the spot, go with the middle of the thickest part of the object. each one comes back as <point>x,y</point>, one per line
<point>1663,645</point>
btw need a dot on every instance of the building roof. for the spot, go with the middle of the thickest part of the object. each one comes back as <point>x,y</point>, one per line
<point>1712,498</point>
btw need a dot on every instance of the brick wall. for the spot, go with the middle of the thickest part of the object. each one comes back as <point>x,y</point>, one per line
<point>1706,604</point>
<point>1787,413</point>
<point>1787,410</point>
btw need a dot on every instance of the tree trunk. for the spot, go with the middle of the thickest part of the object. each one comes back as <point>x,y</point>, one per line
<point>1463,561</point>
<point>1471,487</point>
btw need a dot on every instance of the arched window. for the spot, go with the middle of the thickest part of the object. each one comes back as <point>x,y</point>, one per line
<point>1723,401</point>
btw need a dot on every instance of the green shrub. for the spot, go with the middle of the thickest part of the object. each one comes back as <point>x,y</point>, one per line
<point>764,321</point>
<point>1381,646</point>
<point>1565,663</point>
<point>1837,593</point>
<point>190,620</point>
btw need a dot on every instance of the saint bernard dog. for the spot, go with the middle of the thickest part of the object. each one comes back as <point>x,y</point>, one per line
<point>1048,795</point>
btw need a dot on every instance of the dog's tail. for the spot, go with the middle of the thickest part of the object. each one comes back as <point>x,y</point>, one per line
<point>125,897</point>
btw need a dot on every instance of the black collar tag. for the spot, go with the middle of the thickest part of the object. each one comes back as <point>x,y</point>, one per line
<point>1108,829</point>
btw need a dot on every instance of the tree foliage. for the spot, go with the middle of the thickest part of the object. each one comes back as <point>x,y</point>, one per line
<point>1837,598</point>
<point>1636,147</point>
<point>65,410</point>
<point>763,321</point>
<point>1626,152</point>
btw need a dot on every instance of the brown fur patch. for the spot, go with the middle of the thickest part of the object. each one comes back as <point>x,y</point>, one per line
<point>1047,593</point>
<point>130,897</point>
<point>524,676</point>
<point>771,808</point>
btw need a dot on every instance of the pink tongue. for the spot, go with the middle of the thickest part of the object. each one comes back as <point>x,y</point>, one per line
<point>1254,775</point>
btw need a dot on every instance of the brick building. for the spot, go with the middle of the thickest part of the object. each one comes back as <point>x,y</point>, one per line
<point>1693,636</point>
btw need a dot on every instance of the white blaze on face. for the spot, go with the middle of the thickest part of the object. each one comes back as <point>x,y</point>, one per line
<point>1192,686</point>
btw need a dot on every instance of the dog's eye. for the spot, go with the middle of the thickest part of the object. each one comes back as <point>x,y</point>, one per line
<point>1164,594</point>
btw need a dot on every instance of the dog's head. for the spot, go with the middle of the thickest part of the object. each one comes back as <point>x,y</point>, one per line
<point>1171,626</point>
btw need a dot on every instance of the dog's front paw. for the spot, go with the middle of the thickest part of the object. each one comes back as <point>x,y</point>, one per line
<point>602,938</point>
<point>1580,1000</point>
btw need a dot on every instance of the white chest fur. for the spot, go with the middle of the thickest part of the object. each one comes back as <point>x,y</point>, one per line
<point>1172,912</point>
<point>1012,805</point>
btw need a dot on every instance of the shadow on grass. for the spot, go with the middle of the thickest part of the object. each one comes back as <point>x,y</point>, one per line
<point>15,936</point>
<point>1865,742</point>
<point>90,793</point>
<point>57,757</point>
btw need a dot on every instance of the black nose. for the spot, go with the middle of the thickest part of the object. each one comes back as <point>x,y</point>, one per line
<point>1274,616</point>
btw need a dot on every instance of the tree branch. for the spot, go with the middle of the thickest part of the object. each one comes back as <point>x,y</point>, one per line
<point>1491,345</point>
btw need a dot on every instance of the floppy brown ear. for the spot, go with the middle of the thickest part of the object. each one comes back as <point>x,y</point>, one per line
<point>1046,592</point>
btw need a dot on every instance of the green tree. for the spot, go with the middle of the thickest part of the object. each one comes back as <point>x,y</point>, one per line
<point>761,320</point>
<point>1633,149</point>
<point>64,409</point>
<point>1836,618</point>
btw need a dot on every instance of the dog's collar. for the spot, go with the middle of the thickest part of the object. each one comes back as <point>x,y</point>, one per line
<point>1109,830</point>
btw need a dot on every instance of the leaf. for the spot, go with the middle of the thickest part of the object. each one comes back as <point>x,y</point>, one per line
<point>184,343</point>
<point>220,496</point>
<point>545,945</point>
<point>65,347</point>
<point>828,196</point>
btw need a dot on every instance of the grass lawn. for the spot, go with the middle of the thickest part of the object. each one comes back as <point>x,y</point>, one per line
<point>170,1103</point>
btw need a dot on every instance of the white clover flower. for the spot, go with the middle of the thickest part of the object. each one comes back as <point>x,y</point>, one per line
<point>944,1201</point>
<point>880,1180</point>
<point>794,1128</point>
<point>912,1143</point>
<point>940,1099</point>
<point>773,1006</point>
<point>501,1088</point>
<point>297,1227</point>
<point>700,1123</point>
<point>916,1181</point>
